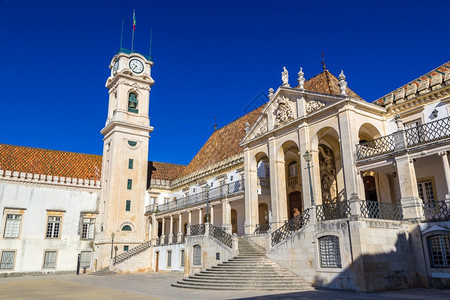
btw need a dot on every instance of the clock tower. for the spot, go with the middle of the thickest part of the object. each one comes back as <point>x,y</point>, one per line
<point>125,156</point>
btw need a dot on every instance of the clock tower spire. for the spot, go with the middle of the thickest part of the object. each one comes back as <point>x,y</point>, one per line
<point>125,155</point>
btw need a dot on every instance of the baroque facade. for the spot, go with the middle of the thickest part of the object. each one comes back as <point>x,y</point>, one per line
<point>341,192</point>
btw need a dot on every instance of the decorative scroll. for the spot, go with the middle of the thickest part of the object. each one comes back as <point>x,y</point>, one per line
<point>312,106</point>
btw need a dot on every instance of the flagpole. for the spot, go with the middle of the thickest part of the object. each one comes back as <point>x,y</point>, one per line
<point>132,36</point>
<point>121,36</point>
<point>150,52</point>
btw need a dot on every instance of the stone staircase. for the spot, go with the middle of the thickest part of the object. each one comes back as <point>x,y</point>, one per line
<point>250,270</point>
<point>104,272</point>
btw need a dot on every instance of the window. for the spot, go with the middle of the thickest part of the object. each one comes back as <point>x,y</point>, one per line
<point>426,192</point>
<point>132,103</point>
<point>197,255</point>
<point>125,248</point>
<point>126,228</point>
<point>85,259</point>
<point>169,258</point>
<point>7,260</point>
<point>12,226</point>
<point>128,205</point>
<point>439,249</point>
<point>53,226</point>
<point>129,184</point>
<point>49,259</point>
<point>87,231</point>
<point>130,163</point>
<point>132,143</point>
<point>153,200</point>
<point>166,200</point>
<point>182,258</point>
<point>217,255</point>
<point>329,253</point>
<point>293,172</point>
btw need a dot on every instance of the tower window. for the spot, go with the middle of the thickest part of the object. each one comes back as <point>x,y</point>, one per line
<point>130,163</point>
<point>129,184</point>
<point>125,248</point>
<point>132,103</point>
<point>126,228</point>
<point>128,205</point>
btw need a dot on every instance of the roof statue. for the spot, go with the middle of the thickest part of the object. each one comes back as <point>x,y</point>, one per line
<point>285,77</point>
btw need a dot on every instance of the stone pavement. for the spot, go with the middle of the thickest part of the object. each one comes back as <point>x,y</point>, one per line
<point>157,286</point>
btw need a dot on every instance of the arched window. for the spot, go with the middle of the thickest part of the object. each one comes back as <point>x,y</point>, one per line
<point>293,169</point>
<point>132,103</point>
<point>329,252</point>
<point>197,255</point>
<point>439,250</point>
<point>126,228</point>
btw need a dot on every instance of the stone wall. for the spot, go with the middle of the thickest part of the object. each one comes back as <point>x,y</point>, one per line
<point>141,262</point>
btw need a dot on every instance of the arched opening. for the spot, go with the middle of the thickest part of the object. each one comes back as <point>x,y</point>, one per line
<point>126,228</point>
<point>132,103</point>
<point>234,228</point>
<point>368,132</point>
<point>295,204</point>
<point>328,172</point>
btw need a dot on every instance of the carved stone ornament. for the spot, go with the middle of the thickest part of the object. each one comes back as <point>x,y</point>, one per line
<point>312,106</point>
<point>261,129</point>
<point>284,112</point>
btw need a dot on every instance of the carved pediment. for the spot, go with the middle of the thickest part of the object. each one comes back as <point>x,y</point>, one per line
<point>284,112</point>
<point>312,106</point>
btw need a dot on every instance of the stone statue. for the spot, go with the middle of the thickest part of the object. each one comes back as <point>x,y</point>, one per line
<point>285,77</point>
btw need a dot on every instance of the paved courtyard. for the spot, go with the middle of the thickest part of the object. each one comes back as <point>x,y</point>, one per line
<point>157,286</point>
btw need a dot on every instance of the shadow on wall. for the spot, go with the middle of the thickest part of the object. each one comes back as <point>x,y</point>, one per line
<point>401,268</point>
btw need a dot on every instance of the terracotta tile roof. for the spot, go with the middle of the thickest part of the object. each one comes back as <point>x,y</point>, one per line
<point>50,162</point>
<point>326,83</point>
<point>223,143</point>
<point>439,70</point>
<point>164,171</point>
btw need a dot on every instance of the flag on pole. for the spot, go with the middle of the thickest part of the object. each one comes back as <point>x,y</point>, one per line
<point>134,20</point>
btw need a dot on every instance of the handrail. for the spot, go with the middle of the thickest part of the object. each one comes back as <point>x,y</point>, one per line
<point>290,226</point>
<point>381,145</point>
<point>333,211</point>
<point>220,235</point>
<point>381,210</point>
<point>213,194</point>
<point>133,251</point>
<point>428,132</point>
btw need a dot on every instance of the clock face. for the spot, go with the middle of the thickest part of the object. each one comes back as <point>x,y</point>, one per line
<point>136,66</point>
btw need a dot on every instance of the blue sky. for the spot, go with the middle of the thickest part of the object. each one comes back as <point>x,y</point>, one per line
<point>212,59</point>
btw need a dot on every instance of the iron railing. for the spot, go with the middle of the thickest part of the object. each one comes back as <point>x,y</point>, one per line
<point>166,240</point>
<point>381,210</point>
<point>435,211</point>
<point>157,242</point>
<point>333,211</point>
<point>264,181</point>
<point>428,132</point>
<point>381,145</point>
<point>198,229</point>
<point>262,228</point>
<point>290,226</point>
<point>220,235</point>
<point>213,194</point>
<point>292,181</point>
<point>133,251</point>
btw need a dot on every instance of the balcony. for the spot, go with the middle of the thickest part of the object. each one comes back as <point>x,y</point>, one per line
<point>410,138</point>
<point>220,192</point>
<point>292,181</point>
<point>264,182</point>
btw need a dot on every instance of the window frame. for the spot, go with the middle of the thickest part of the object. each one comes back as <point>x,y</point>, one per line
<point>182,254</point>
<point>88,230</point>
<point>127,205</point>
<point>169,258</point>
<point>199,247</point>
<point>56,259</point>
<point>81,259</point>
<point>126,225</point>
<point>130,164</point>
<point>12,213</point>
<point>13,262</point>
<point>445,254</point>
<point>129,184</point>
<point>340,264</point>
<point>53,229</point>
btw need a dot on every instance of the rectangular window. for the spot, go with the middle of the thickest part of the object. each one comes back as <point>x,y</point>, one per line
<point>128,205</point>
<point>217,255</point>
<point>426,192</point>
<point>329,252</point>
<point>7,260</point>
<point>129,184</point>
<point>53,226</point>
<point>49,259</point>
<point>130,163</point>
<point>125,248</point>
<point>169,258</point>
<point>182,258</point>
<point>87,231</point>
<point>85,259</point>
<point>12,226</point>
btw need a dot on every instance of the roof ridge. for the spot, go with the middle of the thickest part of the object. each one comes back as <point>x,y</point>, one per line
<point>37,148</point>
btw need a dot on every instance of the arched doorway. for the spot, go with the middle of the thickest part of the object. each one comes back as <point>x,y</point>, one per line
<point>295,202</point>
<point>234,221</point>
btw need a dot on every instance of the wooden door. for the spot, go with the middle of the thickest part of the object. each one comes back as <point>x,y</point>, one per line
<point>157,262</point>
<point>234,221</point>
<point>295,202</point>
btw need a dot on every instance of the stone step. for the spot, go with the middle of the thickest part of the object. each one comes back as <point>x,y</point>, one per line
<point>242,281</point>
<point>244,276</point>
<point>181,284</point>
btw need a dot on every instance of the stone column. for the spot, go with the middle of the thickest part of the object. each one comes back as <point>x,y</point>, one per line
<point>171,230</point>
<point>211,214</point>
<point>304,145</point>
<point>163,232</point>
<point>277,187</point>
<point>251,193</point>
<point>188,230</point>
<point>200,219</point>
<point>315,177</point>
<point>180,227</point>
<point>446,166</point>
<point>406,174</point>
<point>154,233</point>
<point>226,216</point>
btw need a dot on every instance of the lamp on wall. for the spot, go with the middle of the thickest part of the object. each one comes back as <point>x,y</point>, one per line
<point>308,156</point>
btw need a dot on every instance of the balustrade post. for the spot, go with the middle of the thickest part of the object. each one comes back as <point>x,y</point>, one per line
<point>446,166</point>
<point>188,229</point>
<point>206,229</point>
<point>200,219</point>
<point>171,230</point>
<point>399,135</point>
<point>234,245</point>
<point>211,221</point>
<point>180,226</point>
<point>355,205</point>
<point>163,233</point>
<point>312,215</point>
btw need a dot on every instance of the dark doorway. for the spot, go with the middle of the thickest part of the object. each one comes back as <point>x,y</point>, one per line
<point>370,188</point>
<point>159,228</point>
<point>295,204</point>
<point>234,221</point>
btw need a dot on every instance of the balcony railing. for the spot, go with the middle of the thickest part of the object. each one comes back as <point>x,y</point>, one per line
<point>436,211</point>
<point>428,132</point>
<point>381,145</point>
<point>333,211</point>
<point>220,235</point>
<point>198,229</point>
<point>264,181</point>
<point>262,228</point>
<point>381,210</point>
<point>290,226</point>
<point>292,181</point>
<point>213,194</point>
